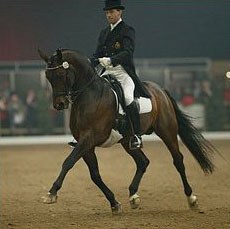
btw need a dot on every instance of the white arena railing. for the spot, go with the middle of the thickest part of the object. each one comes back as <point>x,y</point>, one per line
<point>64,139</point>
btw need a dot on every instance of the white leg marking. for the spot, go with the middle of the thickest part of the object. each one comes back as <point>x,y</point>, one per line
<point>192,201</point>
<point>134,201</point>
<point>49,198</point>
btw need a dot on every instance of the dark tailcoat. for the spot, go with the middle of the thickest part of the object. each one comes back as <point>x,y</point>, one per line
<point>119,45</point>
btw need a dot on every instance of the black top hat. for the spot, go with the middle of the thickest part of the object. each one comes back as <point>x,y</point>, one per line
<point>113,4</point>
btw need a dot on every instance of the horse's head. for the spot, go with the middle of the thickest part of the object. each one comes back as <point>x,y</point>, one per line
<point>60,74</point>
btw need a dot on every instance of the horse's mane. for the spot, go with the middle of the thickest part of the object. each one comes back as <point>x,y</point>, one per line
<point>79,55</point>
<point>75,51</point>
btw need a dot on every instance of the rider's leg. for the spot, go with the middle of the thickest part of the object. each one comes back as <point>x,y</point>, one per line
<point>132,112</point>
<point>134,116</point>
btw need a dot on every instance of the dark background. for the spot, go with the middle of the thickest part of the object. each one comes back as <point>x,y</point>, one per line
<point>164,28</point>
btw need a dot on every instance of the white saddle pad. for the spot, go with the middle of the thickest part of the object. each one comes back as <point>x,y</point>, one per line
<point>145,107</point>
<point>144,104</point>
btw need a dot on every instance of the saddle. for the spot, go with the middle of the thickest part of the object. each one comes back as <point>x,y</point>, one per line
<point>117,90</point>
<point>144,104</point>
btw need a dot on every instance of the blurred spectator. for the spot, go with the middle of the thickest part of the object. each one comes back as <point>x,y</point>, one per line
<point>227,95</point>
<point>206,91</point>
<point>31,109</point>
<point>177,94</point>
<point>197,91</point>
<point>5,89</point>
<point>2,103</point>
<point>16,111</point>
<point>227,101</point>
<point>188,98</point>
<point>3,112</point>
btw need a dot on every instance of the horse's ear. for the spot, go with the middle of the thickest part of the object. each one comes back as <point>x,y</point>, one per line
<point>43,55</point>
<point>59,54</point>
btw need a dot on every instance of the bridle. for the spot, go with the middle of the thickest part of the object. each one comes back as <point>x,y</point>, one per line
<point>64,65</point>
<point>70,94</point>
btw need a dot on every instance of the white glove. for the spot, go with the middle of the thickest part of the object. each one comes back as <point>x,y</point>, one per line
<point>105,61</point>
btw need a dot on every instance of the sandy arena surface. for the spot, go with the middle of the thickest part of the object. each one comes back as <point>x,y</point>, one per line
<point>27,172</point>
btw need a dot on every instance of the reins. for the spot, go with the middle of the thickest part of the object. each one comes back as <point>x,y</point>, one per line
<point>76,93</point>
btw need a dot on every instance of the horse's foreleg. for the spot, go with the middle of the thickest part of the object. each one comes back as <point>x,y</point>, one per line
<point>142,163</point>
<point>69,162</point>
<point>91,161</point>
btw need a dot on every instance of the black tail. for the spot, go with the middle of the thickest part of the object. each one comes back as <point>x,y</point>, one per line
<point>200,148</point>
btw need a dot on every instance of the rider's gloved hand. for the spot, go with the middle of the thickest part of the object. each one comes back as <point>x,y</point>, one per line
<point>105,61</point>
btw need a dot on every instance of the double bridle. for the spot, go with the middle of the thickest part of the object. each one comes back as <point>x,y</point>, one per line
<point>70,94</point>
<point>64,65</point>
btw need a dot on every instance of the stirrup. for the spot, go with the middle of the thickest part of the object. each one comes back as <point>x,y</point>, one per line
<point>135,142</point>
<point>72,144</point>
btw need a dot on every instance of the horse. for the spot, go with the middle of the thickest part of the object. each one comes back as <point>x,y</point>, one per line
<point>93,116</point>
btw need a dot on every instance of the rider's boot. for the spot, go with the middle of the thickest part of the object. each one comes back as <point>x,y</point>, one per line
<point>134,116</point>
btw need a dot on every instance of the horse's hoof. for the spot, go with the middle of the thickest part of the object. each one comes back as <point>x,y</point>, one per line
<point>193,202</point>
<point>49,198</point>
<point>117,209</point>
<point>134,201</point>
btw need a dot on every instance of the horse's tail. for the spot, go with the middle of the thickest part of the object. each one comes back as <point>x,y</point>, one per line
<point>201,149</point>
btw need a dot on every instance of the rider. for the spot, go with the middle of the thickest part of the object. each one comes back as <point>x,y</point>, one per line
<point>114,52</point>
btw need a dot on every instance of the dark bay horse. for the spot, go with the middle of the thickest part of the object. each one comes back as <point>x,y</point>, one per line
<point>93,115</point>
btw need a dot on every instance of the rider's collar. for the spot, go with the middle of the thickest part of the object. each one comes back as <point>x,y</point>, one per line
<point>113,26</point>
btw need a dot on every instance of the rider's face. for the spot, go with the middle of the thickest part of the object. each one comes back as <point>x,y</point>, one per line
<point>113,15</point>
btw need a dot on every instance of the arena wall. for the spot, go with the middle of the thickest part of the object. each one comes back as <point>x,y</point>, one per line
<point>64,139</point>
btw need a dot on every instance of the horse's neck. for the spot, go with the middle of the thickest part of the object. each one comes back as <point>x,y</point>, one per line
<point>83,77</point>
<point>87,81</point>
<point>92,105</point>
<point>82,69</point>
<point>87,101</point>
<point>92,93</point>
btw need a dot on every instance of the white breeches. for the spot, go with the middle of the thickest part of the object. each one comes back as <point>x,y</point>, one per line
<point>125,80</point>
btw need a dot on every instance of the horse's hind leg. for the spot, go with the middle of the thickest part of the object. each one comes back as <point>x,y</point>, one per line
<point>169,136</point>
<point>142,163</point>
<point>91,161</point>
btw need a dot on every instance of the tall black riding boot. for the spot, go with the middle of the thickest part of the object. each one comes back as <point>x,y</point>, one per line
<point>134,117</point>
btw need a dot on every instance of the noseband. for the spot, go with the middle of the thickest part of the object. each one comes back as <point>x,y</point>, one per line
<point>64,65</point>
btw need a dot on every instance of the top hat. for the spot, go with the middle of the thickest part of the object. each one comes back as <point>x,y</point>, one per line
<point>113,4</point>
